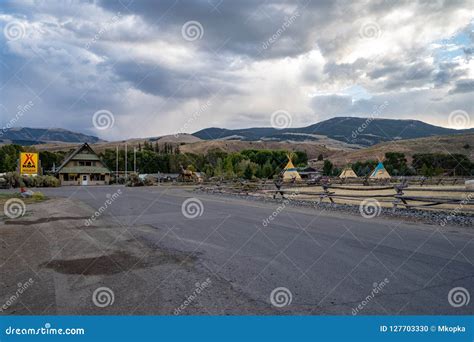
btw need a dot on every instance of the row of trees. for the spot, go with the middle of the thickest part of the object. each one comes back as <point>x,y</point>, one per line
<point>245,164</point>
<point>153,158</point>
<point>423,164</point>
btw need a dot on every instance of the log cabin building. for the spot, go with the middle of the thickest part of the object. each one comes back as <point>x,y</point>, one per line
<point>83,167</point>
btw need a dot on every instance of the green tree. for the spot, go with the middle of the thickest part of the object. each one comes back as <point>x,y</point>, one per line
<point>396,163</point>
<point>327,168</point>
<point>267,170</point>
<point>248,173</point>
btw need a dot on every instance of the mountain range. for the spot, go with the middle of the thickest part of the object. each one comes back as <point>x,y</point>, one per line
<point>35,136</point>
<point>351,130</point>
<point>361,132</point>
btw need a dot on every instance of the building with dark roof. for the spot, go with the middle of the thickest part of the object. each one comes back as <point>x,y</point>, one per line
<point>83,167</point>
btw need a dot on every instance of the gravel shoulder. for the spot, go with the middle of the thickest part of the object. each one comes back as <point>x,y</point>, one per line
<point>443,218</point>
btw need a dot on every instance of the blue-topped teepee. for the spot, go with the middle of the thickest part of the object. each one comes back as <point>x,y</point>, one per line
<point>380,172</point>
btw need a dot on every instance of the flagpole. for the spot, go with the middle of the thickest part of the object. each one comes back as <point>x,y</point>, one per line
<point>134,159</point>
<point>116,165</point>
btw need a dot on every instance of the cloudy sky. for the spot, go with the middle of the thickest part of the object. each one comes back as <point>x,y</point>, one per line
<point>161,67</point>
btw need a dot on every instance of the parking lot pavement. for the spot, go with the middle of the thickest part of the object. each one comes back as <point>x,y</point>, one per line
<point>168,250</point>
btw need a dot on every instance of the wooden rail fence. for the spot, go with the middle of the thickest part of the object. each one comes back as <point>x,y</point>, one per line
<point>330,192</point>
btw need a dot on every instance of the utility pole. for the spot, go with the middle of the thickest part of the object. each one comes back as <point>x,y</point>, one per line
<point>134,159</point>
<point>125,161</point>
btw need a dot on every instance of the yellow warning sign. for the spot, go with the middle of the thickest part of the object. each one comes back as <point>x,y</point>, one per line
<point>29,163</point>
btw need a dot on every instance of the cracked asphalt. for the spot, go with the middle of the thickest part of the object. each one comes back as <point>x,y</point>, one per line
<point>154,254</point>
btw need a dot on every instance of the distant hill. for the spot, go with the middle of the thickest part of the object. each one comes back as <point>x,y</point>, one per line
<point>459,143</point>
<point>34,136</point>
<point>346,129</point>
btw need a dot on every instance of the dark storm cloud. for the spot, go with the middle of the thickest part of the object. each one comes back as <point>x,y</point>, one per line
<point>166,82</point>
<point>463,86</point>
<point>237,27</point>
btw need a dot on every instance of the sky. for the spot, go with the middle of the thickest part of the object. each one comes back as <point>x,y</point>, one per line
<point>130,68</point>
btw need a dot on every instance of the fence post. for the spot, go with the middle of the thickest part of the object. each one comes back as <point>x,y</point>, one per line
<point>326,193</point>
<point>399,189</point>
<point>278,190</point>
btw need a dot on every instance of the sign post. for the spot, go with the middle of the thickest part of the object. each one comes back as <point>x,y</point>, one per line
<point>29,163</point>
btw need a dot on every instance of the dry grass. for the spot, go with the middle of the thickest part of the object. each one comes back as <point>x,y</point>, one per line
<point>439,144</point>
<point>4,197</point>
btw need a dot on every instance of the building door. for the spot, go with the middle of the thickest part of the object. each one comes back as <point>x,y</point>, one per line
<point>85,178</point>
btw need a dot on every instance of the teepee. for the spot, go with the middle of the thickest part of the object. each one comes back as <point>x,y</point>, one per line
<point>348,173</point>
<point>380,172</point>
<point>289,172</point>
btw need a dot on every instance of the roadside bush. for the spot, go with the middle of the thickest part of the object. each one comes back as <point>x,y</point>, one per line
<point>149,180</point>
<point>134,180</point>
<point>38,196</point>
<point>14,180</point>
<point>50,181</point>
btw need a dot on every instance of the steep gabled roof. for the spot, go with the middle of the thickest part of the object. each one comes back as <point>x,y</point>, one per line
<point>79,149</point>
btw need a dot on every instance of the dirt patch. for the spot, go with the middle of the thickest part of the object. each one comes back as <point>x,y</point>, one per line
<point>114,263</point>
<point>105,264</point>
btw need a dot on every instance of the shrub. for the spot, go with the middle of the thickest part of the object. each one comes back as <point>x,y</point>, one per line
<point>14,180</point>
<point>134,180</point>
<point>49,181</point>
<point>149,180</point>
<point>38,196</point>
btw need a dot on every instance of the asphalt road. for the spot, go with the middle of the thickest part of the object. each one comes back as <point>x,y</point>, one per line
<point>328,263</point>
